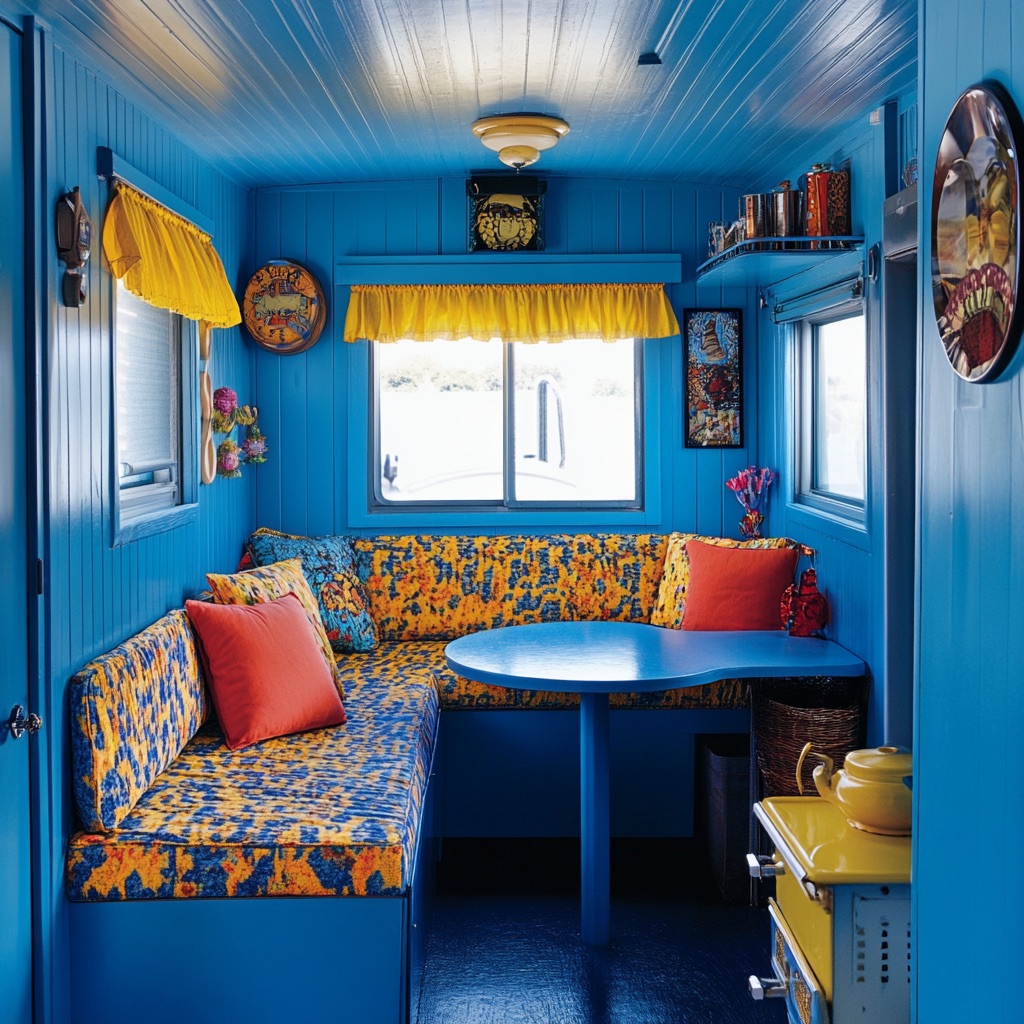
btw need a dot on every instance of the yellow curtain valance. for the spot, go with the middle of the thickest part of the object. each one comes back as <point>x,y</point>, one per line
<point>527,313</point>
<point>166,260</point>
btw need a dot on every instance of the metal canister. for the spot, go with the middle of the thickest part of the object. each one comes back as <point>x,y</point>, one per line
<point>787,211</point>
<point>827,201</point>
<point>756,214</point>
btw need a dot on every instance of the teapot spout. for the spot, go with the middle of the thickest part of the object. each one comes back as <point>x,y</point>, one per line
<point>822,773</point>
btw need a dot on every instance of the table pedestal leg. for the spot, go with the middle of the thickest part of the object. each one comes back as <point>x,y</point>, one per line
<point>594,824</point>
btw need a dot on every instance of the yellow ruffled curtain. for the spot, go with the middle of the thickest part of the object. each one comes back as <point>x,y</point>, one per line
<point>166,260</point>
<point>527,313</point>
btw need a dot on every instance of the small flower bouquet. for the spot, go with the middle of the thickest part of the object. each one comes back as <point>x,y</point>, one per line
<point>225,415</point>
<point>750,486</point>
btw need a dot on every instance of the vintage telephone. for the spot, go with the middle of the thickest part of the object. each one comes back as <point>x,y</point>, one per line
<point>74,241</point>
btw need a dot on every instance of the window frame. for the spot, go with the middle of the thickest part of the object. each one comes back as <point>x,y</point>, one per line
<point>805,492</point>
<point>131,527</point>
<point>361,471</point>
<point>377,504</point>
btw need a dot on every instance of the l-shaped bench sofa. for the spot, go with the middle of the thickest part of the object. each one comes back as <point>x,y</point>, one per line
<point>290,879</point>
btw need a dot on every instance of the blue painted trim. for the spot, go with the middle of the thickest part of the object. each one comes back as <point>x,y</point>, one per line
<point>110,166</point>
<point>158,522</point>
<point>510,268</point>
<point>45,752</point>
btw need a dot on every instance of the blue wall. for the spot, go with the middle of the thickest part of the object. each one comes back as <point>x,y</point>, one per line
<point>313,404</point>
<point>305,401</point>
<point>849,557</point>
<point>100,594</point>
<point>970,713</point>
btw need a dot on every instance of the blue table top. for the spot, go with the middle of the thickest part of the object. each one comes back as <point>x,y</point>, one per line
<point>603,657</point>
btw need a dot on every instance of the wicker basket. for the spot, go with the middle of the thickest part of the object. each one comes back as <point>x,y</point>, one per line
<point>787,713</point>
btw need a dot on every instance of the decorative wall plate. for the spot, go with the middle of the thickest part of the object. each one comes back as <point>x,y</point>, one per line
<point>284,307</point>
<point>976,233</point>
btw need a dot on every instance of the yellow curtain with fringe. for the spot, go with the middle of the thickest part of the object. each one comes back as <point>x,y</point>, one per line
<point>166,260</point>
<point>527,313</point>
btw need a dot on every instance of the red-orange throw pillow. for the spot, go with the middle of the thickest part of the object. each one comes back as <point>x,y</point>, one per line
<point>736,588</point>
<point>266,672</point>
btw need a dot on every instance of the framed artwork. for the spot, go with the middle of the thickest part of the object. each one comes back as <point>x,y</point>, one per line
<point>284,307</point>
<point>976,233</point>
<point>506,214</point>
<point>712,392</point>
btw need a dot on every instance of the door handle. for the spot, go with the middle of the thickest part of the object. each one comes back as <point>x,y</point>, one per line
<point>19,724</point>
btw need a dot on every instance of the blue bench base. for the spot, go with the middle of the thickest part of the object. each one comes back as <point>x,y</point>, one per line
<point>261,961</point>
<point>516,773</point>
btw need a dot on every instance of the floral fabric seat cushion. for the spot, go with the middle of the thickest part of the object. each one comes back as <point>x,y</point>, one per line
<point>333,812</point>
<point>399,659</point>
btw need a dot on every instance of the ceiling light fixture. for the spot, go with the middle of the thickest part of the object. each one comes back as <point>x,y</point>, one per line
<point>519,139</point>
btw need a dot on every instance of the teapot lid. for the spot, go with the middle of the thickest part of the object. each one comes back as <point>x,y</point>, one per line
<point>879,764</point>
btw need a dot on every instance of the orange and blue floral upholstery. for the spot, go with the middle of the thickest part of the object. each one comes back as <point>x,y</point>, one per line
<point>438,588</point>
<point>132,712</point>
<point>331,812</point>
<point>425,590</point>
<point>169,811</point>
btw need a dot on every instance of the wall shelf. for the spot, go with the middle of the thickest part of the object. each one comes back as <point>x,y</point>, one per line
<point>764,260</point>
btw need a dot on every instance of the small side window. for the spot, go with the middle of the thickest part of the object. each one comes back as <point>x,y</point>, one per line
<point>155,464</point>
<point>832,426</point>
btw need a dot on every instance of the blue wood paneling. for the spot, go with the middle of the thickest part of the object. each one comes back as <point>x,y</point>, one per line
<point>971,598</point>
<point>312,485</point>
<point>100,594</point>
<point>849,559</point>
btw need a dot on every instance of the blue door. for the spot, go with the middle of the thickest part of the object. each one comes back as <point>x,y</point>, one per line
<point>15,863</point>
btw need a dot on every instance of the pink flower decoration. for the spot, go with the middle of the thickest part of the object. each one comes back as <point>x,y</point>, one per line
<point>228,459</point>
<point>750,486</point>
<point>225,401</point>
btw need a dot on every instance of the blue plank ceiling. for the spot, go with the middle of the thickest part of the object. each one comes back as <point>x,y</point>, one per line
<point>302,91</point>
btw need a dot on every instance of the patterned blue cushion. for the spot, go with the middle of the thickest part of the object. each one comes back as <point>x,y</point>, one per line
<point>329,566</point>
<point>332,812</point>
<point>132,711</point>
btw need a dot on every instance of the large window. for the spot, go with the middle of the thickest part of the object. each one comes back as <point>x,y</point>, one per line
<point>153,409</point>
<point>832,441</point>
<point>508,425</point>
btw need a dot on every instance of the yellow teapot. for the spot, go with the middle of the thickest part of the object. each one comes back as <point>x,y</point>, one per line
<point>869,789</point>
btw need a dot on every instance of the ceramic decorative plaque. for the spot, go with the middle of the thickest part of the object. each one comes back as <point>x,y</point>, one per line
<point>976,233</point>
<point>284,307</point>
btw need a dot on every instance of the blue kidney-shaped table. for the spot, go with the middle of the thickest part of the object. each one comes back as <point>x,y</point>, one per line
<point>595,659</point>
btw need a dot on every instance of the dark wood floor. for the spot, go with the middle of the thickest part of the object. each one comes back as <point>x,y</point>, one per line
<point>504,945</point>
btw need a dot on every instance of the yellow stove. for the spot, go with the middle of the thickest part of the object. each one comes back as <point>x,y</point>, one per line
<point>841,945</point>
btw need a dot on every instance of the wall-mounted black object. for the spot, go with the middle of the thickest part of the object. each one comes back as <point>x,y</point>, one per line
<point>74,244</point>
<point>506,213</point>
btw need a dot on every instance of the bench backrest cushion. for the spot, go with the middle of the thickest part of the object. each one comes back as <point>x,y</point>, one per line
<point>437,588</point>
<point>132,711</point>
